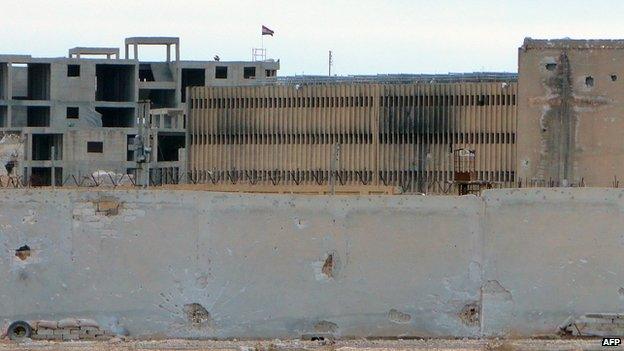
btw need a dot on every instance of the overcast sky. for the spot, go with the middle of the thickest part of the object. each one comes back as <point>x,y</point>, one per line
<point>366,36</point>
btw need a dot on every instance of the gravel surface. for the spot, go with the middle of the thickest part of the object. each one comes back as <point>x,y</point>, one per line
<point>298,345</point>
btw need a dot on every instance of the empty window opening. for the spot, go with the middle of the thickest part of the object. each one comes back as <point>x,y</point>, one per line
<point>192,78</point>
<point>145,73</point>
<point>38,81</point>
<point>3,117</point>
<point>73,112</point>
<point>221,72</point>
<point>42,147</point>
<point>23,252</point>
<point>42,176</point>
<point>270,72</point>
<point>73,70</point>
<point>114,82</point>
<point>168,146</point>
<point>551,66</point>
<point>30,81</point>
<point>614,77</point>
<point>481,100</point>
<point>37,116</point>
<point>117,117</point>
<point>249,72</point>
<point>589,81</point>
<point>159,98</point>
<point>95,147</point>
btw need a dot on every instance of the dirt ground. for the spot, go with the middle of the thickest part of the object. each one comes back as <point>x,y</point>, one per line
<point>298,345</point>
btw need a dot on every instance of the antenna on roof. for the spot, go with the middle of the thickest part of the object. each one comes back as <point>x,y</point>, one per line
<point>330,62</point>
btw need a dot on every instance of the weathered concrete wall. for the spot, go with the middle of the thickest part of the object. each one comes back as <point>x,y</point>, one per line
<point>200,264</point>
<point>550,254</point>
<point>258,264</point>
<point>569,111</point>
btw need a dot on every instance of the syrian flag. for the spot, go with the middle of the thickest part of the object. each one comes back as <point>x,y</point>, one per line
<point>266,31</point>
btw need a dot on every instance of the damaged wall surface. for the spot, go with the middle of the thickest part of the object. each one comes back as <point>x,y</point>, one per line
<point>201,264</point>
<point>11,152</point>
<point>569,111</point>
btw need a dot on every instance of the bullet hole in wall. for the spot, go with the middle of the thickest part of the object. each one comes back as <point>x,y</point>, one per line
<point>328,266</point>
<point>551,66</point>
<point>589,81</point>
<point>23,252</point>
<point>197,314</point>
<point>614,77</point>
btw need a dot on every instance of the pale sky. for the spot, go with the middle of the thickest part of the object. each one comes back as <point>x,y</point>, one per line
<point>366,36</point>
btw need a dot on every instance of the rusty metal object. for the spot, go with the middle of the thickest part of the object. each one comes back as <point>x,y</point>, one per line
<point>594,324</point>
<point>65,329</point>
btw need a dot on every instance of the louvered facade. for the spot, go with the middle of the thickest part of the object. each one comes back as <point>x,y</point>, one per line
<point>400,135</point>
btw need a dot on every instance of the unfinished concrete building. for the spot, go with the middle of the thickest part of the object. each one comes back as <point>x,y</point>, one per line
<point>570,107</point>
<point>363,133</point>
<point>80,114</point>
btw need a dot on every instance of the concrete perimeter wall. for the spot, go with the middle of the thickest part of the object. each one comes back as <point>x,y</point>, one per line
<point>201,264</point>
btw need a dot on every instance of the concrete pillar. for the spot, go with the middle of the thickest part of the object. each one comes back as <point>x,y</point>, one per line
<point>27,147</point>
<point>177,52</point>
<point>168,52</point>
<point>53,172</point>
<point>182,179</point>
<point>127,53</point>
<point>136,51</point>
<point>9,94</point>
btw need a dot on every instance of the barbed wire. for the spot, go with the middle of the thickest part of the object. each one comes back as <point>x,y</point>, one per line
<point>422,184</point>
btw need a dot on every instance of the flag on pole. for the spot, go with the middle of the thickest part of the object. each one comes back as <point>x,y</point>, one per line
<point>266,31</point>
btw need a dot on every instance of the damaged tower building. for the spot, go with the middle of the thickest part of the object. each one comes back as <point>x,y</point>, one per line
<point>554,122</point>
<point>80,114</point>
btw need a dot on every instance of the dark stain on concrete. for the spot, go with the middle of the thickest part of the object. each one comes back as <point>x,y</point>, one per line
<point>559,124</point>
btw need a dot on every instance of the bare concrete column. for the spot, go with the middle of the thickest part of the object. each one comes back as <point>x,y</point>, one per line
<point>168,52</point>
<point>53,172</point>
<point>9,96</point>
<point>177,52</point>
<point>127,53</point>
<point>27,147</point>
<point>9,91</point>
<point>183,166</point>
<point>136,51</point>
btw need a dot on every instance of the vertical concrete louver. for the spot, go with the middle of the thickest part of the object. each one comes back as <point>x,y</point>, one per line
<point>378,134</point>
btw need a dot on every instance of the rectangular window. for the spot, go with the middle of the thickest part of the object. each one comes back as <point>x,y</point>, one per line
<point>270,72</point>
<point>95,147</point>
<point>221,72</point>
<point>73,70</point>
<point>249,72</point>
<point>73,112</point>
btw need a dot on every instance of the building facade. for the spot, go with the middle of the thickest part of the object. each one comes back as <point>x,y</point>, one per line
<point>555,123</point>
<point>363,133</point>
<point>571,112</point>
<point>80,114</point>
